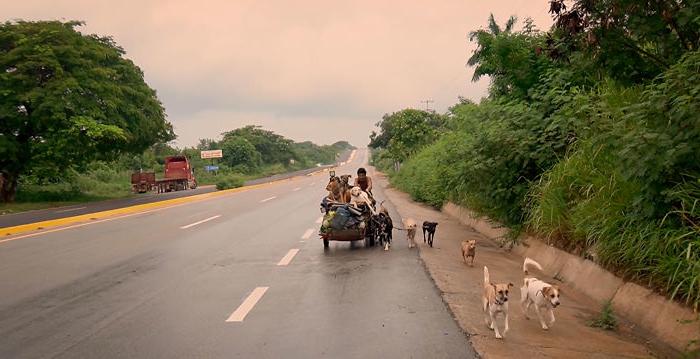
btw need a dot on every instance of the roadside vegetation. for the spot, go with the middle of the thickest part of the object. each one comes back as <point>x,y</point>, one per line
<point>77,118</point>
<point>589,138</point>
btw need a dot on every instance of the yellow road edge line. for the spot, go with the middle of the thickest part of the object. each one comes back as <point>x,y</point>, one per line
<point>66,221</point>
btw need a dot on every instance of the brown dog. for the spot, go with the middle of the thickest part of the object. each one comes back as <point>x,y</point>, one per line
<point>333,189</point>
<point>495,301</point>
<point>469,251</point>
<point>345,188</point>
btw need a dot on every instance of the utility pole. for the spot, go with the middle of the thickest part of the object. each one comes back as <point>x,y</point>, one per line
<point>427,102</point>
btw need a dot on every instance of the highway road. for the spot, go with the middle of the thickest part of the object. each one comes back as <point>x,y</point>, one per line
<point>238,276</point>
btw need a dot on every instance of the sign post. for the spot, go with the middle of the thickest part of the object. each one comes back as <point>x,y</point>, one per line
<point>211,154</point>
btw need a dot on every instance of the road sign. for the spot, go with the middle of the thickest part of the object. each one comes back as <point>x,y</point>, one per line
<point>211,168</point>
<point>212,154</point>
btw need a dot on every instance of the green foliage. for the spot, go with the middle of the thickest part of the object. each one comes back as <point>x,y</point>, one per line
<point>240,153</point>
<point>406,132</point>
<point>424,175</point>
<point>606,319</point>
<point>100,181</point>
<point>381,160</point>
<point>67,99</point>
<point>229,181</point>
<point>273,148</point>
<point>512,60</point>
<point>628,40</point>
<point>311,154</point>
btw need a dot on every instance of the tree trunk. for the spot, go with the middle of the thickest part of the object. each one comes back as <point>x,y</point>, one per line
<point>8,187</point>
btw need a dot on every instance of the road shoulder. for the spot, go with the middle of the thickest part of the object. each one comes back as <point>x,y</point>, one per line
<point>461,287</point>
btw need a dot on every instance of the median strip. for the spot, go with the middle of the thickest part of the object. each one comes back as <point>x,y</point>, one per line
<point>239,314</point>
<point>288,258</point>
<point>200,222</point>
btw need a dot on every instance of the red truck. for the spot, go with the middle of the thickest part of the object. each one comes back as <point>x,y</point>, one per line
<point>178,176</point>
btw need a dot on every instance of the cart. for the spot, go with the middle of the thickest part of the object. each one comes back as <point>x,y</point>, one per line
<point>364,231</point>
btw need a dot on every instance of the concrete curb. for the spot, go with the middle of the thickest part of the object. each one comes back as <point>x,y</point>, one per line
<point>664,319</point>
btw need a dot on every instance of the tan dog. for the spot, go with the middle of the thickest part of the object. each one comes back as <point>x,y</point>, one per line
<point>495,301</point>
<point>358,196</point>
<point>543,295</point>
<point>345,188</point>
<point>469,251</point>
<point>410,225</point>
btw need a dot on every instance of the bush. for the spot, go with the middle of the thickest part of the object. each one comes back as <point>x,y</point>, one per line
<point>229,181</point>
<point>422,176</point>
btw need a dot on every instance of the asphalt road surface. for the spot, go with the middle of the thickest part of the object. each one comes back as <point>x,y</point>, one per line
<point>243,275</point>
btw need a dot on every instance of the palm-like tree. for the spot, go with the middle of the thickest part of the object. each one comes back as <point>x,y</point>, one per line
<point>484,39</point>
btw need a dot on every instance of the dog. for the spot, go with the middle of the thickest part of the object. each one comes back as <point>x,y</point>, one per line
<point>333,189</point>
<point>410,225</point>
<point>495,301</point>
<point>469,251</point>
<point>345,188</point>
<point>429,227</point>
<point>386,226</point>
<point>543,295</point>
<point>359,197</point>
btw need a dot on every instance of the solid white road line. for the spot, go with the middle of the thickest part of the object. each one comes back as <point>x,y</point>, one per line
<point>307,234</point>
<point>70,210</point>
<point>239,314</point>
<point>200,222</point>
<point>319,220</point>
<point>288,258</point>
<point>268,199</point>
<point>296,189</point>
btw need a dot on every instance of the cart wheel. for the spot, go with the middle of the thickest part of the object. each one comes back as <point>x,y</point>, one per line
<point>325,243</point>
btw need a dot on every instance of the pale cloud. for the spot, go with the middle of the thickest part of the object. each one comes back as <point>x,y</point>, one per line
<point>311,70</point>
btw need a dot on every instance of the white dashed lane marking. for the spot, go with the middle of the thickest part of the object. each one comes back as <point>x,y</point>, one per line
<point>288,258</point>
<point>239,314</point>
<point>200,222</point>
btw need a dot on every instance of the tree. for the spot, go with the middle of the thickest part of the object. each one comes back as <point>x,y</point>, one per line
<point>484,39</point>
<point>206,144</point>
<point>67,99</point>
<point>513,60</point>
<point>272,147</point>
<point>407,131</point>
<point>240,153</point>
<point>629,40</point>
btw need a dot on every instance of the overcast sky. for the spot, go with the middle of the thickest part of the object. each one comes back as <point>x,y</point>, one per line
<point>319,70</point>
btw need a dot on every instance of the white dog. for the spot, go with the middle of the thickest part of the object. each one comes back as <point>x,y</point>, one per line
<point>358,196</point>
<point>543,295</point>
<point>495,301</point>
<point>410,225</point>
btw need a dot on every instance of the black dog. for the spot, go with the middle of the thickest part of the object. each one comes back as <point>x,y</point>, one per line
<point>386,225</point>
<point>430,228</point>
